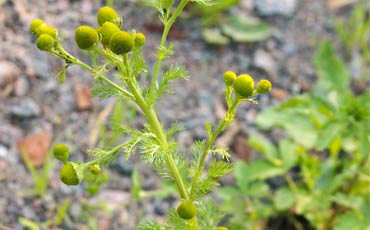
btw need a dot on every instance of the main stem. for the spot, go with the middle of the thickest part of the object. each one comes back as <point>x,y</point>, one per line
<point>152,119</point>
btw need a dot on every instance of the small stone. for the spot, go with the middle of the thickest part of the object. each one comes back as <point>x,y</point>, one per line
<point>265,61</point>
<point>3,151</point>
<point>279,94</point>
<point>25,108</point>
<point>75,210</point>
<point>21,87</point>
<point>36,147</point>
<point>9,134</point>
<point>112,198</point>
<point>285,8</point>
<point>83,96</point>
<point>241,148</point>
<point>159,207</point>
<point>8,72</point>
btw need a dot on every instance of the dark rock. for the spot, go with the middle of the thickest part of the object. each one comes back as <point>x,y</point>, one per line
<point>159,208</point>
<point>123,167</point>
<point>25,108</point>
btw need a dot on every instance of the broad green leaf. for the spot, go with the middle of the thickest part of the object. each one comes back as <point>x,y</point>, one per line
<point>284,199</point>
<point>256,170</point>
<point>315,207</point>
<point>241,175</point>
<point>337,180</point>
<point>258,189</point>
<point>264,147</point>
<point>288,154</point>
<point>213,36</point>
<point>331,71</point>
<point>352,221</point>
<point>226,193</point>
<point>328,133</point>
<point>245,29</point>
<point>348,201</point>
<point>296,123</point>
<point>219,6</point>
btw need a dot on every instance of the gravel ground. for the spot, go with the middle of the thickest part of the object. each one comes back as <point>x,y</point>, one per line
<point>34,106</point>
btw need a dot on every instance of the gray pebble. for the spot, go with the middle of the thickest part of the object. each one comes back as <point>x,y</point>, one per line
<point>285,8</point>
<point>265,61</point>
<point>25,108</point>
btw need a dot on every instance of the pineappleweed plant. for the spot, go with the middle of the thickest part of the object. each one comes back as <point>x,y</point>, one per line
<point>115,50</point>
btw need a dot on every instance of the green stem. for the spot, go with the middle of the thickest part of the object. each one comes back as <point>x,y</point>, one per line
<point>152,119</point>
<point>167,27</point>
<point>221,126</point>
<point>68,57</point>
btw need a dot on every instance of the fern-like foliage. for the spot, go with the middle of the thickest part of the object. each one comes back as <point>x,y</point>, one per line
<point>209,214</point>
<point>173,73</point>
<point>102,90</point>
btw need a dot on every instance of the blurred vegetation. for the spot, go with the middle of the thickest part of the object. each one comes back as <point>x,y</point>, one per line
<point>40,177</point>
<point>219,26</point>
<point>52,222</point>
<point>355,36</point>
<point>322,165</point>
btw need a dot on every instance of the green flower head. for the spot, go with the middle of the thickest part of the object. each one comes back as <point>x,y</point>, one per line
<point>264,86</point>
<point>229,78</point>
<point>86,37</point>
<point>187,210</point>
<point>35,24</point>
<point>121,42</point>
<point>244,85</point>
<point>61,152</point>
<point>140,39</point>
<point>45,29</point>
<point>106,31</point>
<point>108,14</point>
<point>72,173</point>
<point>45,42</point>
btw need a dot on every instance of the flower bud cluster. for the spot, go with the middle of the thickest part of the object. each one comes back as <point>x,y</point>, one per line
<point>72,173</point>
<point>108,34</point>
<point>46,35</point>
<point>244,84</point>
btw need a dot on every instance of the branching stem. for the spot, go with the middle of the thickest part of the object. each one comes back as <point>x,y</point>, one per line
<point>221,126</point>
<point>167,27</point>
<point>152,119</point>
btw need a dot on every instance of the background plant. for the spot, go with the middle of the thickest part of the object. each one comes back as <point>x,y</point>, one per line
<point>57,220</point>
<point>355,34</point>
<point>41,176</point>
<point>112,49</point>
<point>323,162</point>
<point>219,28</point>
